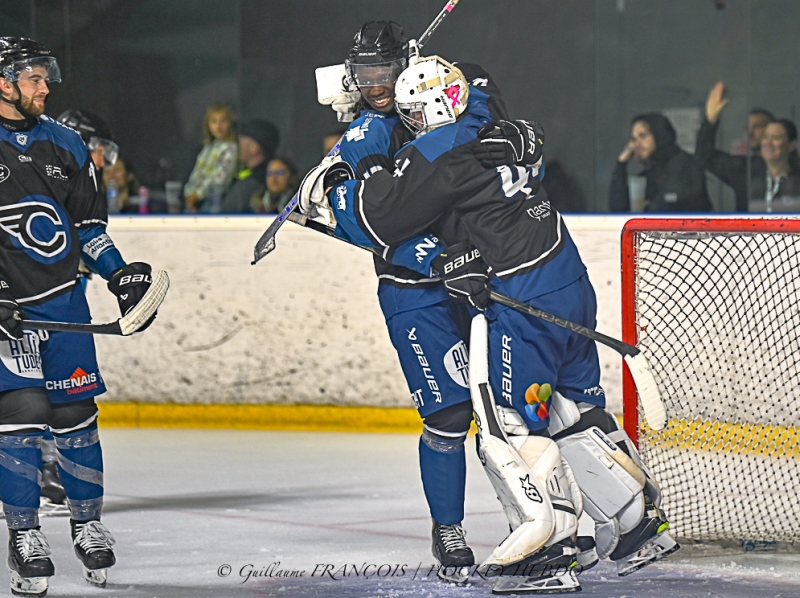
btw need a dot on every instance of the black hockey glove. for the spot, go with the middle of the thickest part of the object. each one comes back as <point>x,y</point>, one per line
<point>129,284</point>
<point>464,274</point>
<point>10,327</point>
<point>510,143</point>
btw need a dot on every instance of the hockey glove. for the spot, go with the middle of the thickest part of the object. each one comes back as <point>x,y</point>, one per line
<point>510,143</point>
<point>129,284</point>
<point>10,327</point>
<point>328,173</point>
<point>335,90</point>
<point>464,275</point>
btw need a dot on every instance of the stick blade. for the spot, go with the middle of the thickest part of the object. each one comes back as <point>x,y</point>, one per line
<point>144,310</point>
<point>265,245</point>
<point>652,405</point>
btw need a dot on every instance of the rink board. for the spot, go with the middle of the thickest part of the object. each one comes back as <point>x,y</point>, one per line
<point>301,327</point>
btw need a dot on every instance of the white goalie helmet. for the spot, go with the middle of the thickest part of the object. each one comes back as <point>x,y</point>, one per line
<point>430,93</point>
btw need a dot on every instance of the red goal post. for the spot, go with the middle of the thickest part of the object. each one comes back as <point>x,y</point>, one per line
<point>714,305</point>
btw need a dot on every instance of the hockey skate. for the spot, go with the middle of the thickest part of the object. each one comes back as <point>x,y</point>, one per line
<point>587,553</point>
<point>646,544</point>
<point>29,562</point>
<point>549,571</point>
<point>451,550</point>
<point>93,543</point>
<point>53,500</point>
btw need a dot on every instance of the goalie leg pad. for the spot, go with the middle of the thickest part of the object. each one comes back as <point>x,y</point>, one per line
<point>611,484</point>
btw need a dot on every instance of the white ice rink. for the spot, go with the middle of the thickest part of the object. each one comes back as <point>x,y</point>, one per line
<point>192,509</point>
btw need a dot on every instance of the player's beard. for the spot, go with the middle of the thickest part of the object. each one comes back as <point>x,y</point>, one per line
<point>31,107</point>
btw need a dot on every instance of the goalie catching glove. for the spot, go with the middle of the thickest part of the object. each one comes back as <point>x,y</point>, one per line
<point>319,180</point>
<point>464,274</point>
<point>509,143</point>
<point>10,327</point>
<point>335,90</point>
<point>129,284</point>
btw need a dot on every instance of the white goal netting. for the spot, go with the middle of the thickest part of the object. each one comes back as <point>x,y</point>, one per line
<point>717,314</point>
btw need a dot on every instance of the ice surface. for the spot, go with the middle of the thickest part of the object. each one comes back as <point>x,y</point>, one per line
<point>184,503</point>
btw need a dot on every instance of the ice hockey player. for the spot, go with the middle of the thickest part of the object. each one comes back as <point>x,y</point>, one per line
<point>426,328</point>
<point>501,234</point>
<point>54,216</point>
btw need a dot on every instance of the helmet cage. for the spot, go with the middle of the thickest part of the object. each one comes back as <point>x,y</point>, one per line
<point>12,72</point>
<point>429,94</point>
<point>110,149</point>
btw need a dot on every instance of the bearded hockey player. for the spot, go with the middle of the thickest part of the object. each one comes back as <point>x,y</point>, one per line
<point>52,216</point>
<point>501,234</point>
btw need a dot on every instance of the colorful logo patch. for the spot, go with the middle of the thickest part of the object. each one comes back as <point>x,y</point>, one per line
<point>536,396</point>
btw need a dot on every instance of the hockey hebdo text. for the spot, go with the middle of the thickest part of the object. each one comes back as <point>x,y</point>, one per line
<point>367,571</point>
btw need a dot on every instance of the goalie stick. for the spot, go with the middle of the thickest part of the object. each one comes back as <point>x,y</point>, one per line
<point>266,243</point>
<point>125,326</point>
<point>652,404</point>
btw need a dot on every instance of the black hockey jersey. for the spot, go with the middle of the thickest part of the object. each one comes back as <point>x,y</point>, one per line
<point>48,190</point>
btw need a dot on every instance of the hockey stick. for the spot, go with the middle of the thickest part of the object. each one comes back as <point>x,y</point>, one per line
<point>426,35</point>
<point>643,377</point>
<point>126,325</point>
<point>266,244</point>
<point>652,404</point>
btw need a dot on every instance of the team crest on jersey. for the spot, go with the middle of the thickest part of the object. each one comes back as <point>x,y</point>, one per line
<point>39,226</point>
<point>22,139</point>
<point>5,172</point>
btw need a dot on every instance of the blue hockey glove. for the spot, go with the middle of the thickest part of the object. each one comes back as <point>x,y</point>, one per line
<point>464,275</point>
<point>129,284</point>
<point>509,143</point>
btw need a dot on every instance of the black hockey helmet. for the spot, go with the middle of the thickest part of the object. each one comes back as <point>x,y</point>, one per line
<point>20,53</point>
<point>93,130</point>
<point>381,44</point>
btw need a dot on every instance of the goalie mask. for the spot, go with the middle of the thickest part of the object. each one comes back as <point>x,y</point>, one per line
<point>430,93</point>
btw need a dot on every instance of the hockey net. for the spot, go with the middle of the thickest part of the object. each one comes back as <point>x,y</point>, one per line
<point>714,305</point>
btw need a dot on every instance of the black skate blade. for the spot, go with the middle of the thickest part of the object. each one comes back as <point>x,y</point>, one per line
<point>659,556</point>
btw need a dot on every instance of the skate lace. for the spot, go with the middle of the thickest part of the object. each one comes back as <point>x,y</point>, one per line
<point>453,537</point>
<point>93,536</point>
<point>32,545</point>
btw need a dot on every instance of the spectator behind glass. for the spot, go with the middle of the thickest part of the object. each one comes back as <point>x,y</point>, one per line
<point>732,170</point>
<point>330,139</point>
<point>258,140</point>
<point>779,152</point>
<point>216,163</point>
<point>121,176</point>
<point>282,183</point>
<point>675,181</point>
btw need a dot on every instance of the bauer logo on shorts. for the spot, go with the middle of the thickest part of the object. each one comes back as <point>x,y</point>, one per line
<point>22,358</point>
<point>37,225</point>
<point>456,362</point>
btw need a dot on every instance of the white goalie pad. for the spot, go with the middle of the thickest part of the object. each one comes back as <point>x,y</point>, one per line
<point>527,472</point>
<point>333,91</point>
<point>611,484</point>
